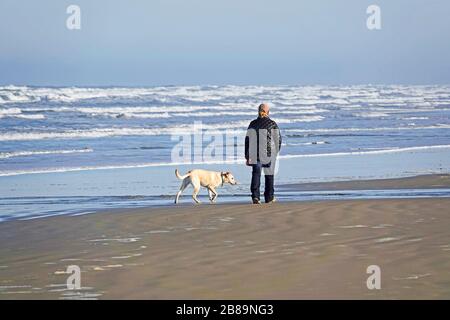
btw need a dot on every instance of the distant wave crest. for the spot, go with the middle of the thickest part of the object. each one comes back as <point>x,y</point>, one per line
<point>13,154</point>
<point>229,161</point>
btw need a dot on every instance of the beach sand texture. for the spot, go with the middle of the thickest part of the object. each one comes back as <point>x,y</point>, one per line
<point>280,251</point>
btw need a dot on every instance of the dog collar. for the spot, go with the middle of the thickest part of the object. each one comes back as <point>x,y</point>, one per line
<point>222,175</point>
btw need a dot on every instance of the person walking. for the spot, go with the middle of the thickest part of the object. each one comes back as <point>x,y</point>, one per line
<point>262,145</point>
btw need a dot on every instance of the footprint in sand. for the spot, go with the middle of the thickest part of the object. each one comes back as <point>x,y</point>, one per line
<point>413,277</point>
<point>107,267</point>
<point>352,227</point>
<point>80,296</point>
<point>121,240</point>
<point>127,256</point>
<point>382,226</point>
<point>14,287</point>
<point>59,272</point>
<point>70,259</point>
<point>387,239</point>
<point>157,231</point>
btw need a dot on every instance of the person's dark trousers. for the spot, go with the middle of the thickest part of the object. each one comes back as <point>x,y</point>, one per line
<point>268,187</point>
<point>256,183</point>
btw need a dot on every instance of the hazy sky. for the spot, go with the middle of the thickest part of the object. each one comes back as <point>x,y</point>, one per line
<point>156,42</point>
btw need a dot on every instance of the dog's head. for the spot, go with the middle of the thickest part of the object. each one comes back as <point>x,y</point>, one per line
<point>229,178</point>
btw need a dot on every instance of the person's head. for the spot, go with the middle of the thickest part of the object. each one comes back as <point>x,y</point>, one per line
<point>263,110</point>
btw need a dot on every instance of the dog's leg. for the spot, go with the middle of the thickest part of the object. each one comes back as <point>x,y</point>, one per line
<point>194,195</point>
<point>210,194</point>
<point>215,194</point>
<point>184,184</point>
<point>177,196</point>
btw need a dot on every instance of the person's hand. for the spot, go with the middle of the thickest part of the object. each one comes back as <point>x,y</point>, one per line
<point>248,162</point>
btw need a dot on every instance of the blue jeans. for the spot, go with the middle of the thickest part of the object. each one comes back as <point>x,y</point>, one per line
<point>256,182</point>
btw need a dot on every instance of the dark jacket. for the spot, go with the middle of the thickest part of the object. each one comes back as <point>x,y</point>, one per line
<point>270,126</point>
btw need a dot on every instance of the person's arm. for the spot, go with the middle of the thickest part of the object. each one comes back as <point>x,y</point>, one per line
<point>246,146</point>
<point>278,136</point>
<point>280,139</point>
<point>247,143</point>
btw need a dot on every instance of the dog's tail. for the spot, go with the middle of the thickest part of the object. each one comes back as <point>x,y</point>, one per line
<point>179,176</point>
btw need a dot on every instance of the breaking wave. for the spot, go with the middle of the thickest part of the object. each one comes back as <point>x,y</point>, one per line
<point>13,154</point>
<point>229,161</point>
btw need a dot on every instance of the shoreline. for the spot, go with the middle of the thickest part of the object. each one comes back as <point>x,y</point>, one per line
<point>413,187</point>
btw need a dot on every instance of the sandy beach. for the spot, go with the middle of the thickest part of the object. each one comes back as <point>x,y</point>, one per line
<point>293,250</point>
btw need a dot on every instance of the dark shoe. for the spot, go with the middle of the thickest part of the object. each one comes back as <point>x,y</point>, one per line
<point>256,201</point>
<point>272,201</point>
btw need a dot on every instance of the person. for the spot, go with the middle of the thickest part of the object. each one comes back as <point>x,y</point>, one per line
<point>262,145</point>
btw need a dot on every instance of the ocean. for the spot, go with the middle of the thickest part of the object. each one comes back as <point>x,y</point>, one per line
<point>74,150</point>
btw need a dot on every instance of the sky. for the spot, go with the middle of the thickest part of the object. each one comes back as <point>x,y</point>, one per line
<point>205,42</point>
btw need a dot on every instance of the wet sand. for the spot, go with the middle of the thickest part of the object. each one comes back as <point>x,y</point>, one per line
<point>428,181</point>
<point>295,250</point>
